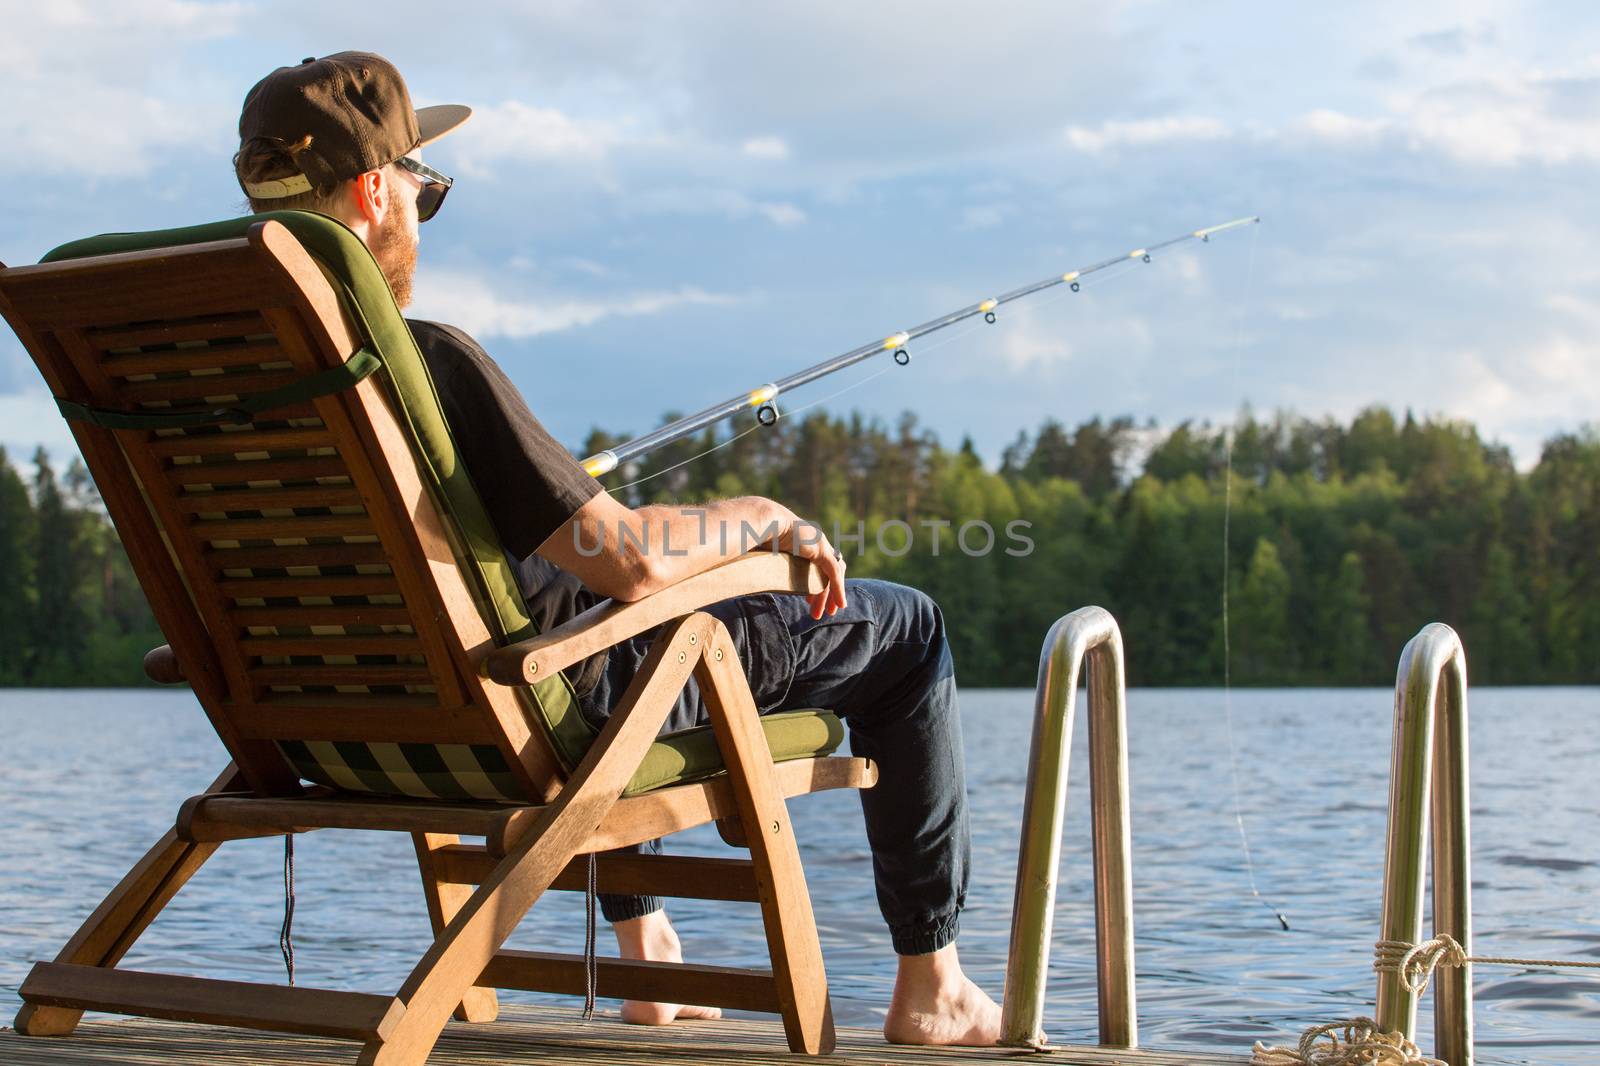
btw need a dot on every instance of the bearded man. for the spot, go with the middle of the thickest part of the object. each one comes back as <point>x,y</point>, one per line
<point>338,135</point>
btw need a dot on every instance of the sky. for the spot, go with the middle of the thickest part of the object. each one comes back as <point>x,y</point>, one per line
<point>663,205</point>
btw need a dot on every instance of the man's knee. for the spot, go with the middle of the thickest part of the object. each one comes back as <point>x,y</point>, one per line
<point>909,615</point>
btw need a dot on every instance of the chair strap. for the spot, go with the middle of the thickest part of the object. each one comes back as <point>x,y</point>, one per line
<point>344,376</point>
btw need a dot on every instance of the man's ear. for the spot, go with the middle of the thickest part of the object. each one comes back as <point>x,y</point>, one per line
<point>372,195</point>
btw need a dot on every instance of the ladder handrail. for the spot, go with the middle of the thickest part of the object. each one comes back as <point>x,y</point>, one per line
<point>1428,786</point>
<point>1090,635</point>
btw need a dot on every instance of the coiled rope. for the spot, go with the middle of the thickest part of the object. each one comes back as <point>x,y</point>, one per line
<point>1357,1041</point>
<point>1352,1042</point>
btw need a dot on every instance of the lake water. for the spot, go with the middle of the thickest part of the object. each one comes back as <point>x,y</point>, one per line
<point>89,779</point>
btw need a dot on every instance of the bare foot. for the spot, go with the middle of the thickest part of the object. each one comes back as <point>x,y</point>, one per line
<point>652,938</point>
<point>935,1003</point>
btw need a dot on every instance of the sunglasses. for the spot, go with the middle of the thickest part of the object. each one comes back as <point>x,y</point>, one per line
<point>434,187</point>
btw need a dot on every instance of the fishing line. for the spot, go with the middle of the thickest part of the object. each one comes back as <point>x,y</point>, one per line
<point>1227,644</point>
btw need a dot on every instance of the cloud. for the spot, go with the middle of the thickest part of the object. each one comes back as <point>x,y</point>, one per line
<point>465,300</point>
<point>1144,132</point>
<point>729,203</point>
<point>518,131</point>
<point>1502,120</point>
<point>83,86</point>
<point>774,148</point>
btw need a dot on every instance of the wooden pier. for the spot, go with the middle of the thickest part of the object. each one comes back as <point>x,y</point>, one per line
<point>535,1034</point>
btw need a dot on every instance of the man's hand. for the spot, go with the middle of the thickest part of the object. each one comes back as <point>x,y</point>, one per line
<point>805,540</point>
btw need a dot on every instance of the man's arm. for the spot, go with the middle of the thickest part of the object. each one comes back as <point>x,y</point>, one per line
<point>627,553</point>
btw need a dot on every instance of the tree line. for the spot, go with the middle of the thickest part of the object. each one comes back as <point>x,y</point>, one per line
<point>1342,540</point>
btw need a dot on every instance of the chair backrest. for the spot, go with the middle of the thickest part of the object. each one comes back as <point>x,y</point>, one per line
<point>309,542</point>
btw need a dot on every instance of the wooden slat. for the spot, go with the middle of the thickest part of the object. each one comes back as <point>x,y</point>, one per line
<point>737,988</point>
<point>638,818</point>
<point>555,1035</point>
<point>321,1012</point>
<point>339,675</point>
<point>357,614</point>
<point>224,277</point>
<point>290,439</point>
<point>608,623</point>
<point>288,528</point>
<point>396,644</point>
<point>196,358</point>
<point>239,471</point>
<point>202,816</point>
<point>173,331</point>
<point>204,386</point>
<point>355,585</point>
<point>682,876</point>
<point>368,554</point>
<point>445,901</point>
<point>330,720</point>
<point>269,499</point>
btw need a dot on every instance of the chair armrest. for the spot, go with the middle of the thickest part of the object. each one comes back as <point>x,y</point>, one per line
<point>608,623</point>
<point>161,666</point>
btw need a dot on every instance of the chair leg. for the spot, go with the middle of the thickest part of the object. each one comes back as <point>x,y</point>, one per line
<point>785,902</point>
<point>460,954</point>
<point>445,900</point>
<point>125,913</point>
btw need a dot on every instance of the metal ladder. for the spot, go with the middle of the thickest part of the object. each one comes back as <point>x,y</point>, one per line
<point>1086,636</point>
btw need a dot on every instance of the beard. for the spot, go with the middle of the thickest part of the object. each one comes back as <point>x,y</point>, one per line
<point>395,250</point>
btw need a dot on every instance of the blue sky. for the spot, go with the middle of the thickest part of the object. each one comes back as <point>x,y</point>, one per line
<point>661,205</point>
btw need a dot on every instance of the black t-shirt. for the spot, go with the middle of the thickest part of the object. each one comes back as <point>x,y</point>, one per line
<point>529,484</point>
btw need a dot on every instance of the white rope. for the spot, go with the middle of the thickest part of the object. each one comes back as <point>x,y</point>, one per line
<point>1415,963</point>
<point>1351,1042</point>
<point>1357,1041</point>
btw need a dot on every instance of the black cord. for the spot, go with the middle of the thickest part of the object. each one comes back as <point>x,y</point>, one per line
<point>286,933</point>
<point>591,967</point>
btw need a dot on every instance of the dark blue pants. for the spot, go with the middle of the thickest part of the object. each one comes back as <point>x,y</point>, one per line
<point>883,665</point>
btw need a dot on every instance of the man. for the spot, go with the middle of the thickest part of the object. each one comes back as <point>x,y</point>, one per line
<point>338,135</point>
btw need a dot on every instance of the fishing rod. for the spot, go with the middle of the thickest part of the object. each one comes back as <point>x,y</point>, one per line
<point>602,463</point>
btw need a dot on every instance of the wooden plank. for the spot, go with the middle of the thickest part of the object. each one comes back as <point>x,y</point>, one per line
<point>392,724</point>
<point>296,527</point>
<point>309,587</point>
<point>680,876</point>
<point>667,810</point>
<point>445,900</point>
<point>161,362</point>
<point>288,439</point>
<point>737,988</point>
<point>352,614</point>
<point>267,499</point>
<point>801,981</point>
<point>224,277</point>
<point>200,815</point>
<point>609,623</point>
<point>555,1035</point>
<point>288,555</point>
<point>239,471</point>
<point>204,386</point>
<point>177,330</point>
<point>330,674</point>
<point>398,644</point>
<point>321,1012</point>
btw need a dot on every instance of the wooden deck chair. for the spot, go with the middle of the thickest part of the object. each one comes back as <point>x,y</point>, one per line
<point>271,449</point>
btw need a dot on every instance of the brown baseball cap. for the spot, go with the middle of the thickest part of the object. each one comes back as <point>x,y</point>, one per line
<point>334,118</point>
